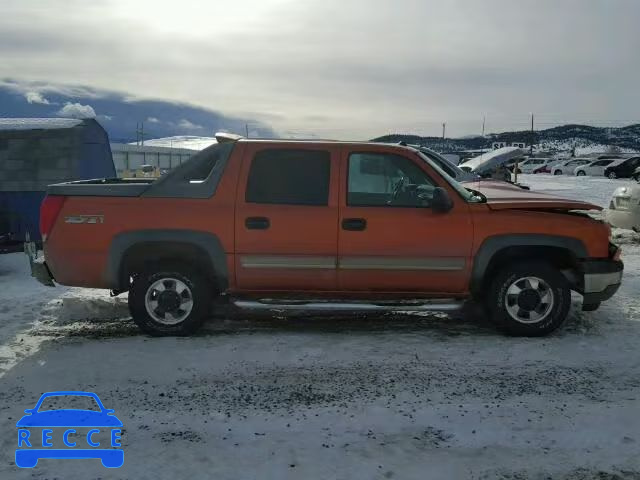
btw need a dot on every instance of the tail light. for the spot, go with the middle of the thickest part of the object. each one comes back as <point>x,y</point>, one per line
<point>49,211</point>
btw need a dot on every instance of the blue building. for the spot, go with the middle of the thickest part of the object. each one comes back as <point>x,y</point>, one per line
<point>37,152</point>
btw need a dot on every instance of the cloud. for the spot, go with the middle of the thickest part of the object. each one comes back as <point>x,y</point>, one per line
<point>76,110</point>
<point>361,71</point>
<point>36,97</point>
<point>153,120</point>
<point>187,125</point>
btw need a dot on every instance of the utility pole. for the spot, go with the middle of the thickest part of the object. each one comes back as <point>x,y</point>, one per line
<point>444,128</point>
<point>140,133</point>
<point>532,137</point>
<point>246,129</point>
<point>484,118</point>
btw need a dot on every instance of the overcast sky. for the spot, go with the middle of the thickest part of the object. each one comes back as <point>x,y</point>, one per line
<point>344,68</point>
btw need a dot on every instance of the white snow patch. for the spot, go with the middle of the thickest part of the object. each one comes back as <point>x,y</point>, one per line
<point>37,123</point>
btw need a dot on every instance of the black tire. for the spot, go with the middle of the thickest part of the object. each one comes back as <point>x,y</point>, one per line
<point>200,292</point>
<point>612,175</point>
<point>581,173</point>
<point>557,172</point>
<point>510,275</point>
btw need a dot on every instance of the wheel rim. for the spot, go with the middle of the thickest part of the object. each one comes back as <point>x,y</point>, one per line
<point>168,301</point>
<point>612,175</point>
<point>581,173</point>
<point>529,300</point>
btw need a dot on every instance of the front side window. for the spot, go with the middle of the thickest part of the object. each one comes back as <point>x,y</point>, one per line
<point>378,179</point>
<point>289,177</point>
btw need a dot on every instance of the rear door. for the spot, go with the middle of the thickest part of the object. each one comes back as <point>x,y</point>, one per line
<point>286,217</point>
<point>390,240</point>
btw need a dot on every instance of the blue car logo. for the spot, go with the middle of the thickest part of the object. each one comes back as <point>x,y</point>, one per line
<point>45,430</point>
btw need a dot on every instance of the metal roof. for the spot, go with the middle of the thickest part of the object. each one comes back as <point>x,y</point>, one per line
<point>38,123</point>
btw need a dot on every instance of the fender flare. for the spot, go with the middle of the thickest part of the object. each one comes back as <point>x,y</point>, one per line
<point>494,244</point>
<point>208,242</point>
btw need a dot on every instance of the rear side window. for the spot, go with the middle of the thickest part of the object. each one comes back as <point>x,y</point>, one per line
<point>290,177</point>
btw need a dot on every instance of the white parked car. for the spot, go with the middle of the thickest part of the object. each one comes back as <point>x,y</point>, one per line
<point>532,164</point>
<point>624,208</point>
<point>596,169</point>
<point>568,166</point>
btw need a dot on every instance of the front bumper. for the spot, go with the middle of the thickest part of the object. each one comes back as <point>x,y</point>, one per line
<point>601,279</point>
<point>39,269</point>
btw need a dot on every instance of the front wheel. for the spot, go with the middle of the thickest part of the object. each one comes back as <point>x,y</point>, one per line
<point>557,172</point>
<point>581,173</point>
<point>612,175</point>
<point>529,299</point>
<point>169,299</point>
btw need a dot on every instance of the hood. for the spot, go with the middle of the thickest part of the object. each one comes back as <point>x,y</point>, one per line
<point>69,418</point>
<point>493,159</point>
<point>502,198</point>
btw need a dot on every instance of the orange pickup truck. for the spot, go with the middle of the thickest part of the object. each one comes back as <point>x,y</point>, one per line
<point>324,225</point>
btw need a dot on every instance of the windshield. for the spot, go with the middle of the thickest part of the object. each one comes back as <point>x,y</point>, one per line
<point>465,193</point>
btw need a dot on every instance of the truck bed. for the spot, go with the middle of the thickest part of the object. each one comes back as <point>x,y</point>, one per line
<point>104,187</point>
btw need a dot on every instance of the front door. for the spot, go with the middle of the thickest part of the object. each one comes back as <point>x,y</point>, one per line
<point>390,240</point>
<point>287,218</point>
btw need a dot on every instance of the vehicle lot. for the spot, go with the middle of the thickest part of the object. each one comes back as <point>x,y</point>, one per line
<point>402,396</point>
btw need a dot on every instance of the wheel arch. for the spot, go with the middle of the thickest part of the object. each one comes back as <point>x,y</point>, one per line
<point>131,251</point>
<point>500,250</point>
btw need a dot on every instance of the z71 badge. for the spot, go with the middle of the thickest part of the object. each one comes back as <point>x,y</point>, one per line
<point>84,219</point>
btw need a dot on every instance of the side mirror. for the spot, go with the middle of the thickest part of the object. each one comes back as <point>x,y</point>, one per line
<point>441,202</point>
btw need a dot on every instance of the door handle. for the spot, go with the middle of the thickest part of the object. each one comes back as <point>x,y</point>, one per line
<point>257,223</point>
<point>354,224</point>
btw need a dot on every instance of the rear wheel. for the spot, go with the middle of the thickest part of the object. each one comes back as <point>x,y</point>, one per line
<point>557,172</point>
<point>612,175</point>
<point>581,173</point>
<point>169,299</point>
<point>529,299</point>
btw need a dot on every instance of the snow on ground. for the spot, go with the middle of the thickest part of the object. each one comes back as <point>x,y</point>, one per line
<point>349,397</point>
<point>597,190</point>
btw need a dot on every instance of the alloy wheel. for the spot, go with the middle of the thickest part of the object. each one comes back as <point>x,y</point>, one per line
<point>168,301</point>
<point>529,300</point>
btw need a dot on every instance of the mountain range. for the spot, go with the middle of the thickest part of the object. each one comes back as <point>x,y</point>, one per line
<point>194,126</point>
<point>584,138</point>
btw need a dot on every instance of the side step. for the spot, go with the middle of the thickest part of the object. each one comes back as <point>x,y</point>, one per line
<point>448,305</point>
